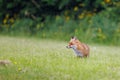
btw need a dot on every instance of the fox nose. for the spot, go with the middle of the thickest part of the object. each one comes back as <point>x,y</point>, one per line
<point>67,46</point>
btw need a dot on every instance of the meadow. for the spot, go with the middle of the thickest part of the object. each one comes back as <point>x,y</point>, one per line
<point>40,59</point>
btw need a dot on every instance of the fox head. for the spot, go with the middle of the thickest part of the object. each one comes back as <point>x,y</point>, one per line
<point>72,42</point>
<point>80,49</point>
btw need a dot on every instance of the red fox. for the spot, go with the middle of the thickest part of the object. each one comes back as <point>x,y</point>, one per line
<point>80,49</point>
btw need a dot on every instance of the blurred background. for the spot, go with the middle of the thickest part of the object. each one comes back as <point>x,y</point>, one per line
<point>92,21</point>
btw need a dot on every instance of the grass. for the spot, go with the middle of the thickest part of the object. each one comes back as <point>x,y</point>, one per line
<point>34,59</point>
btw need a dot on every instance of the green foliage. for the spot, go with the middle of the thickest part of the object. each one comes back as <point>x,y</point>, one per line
<point>91,21</point>
<point>33,59</point>
<point>98,29</point>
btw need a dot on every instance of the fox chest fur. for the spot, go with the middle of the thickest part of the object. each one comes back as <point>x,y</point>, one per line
<point>79,48</point>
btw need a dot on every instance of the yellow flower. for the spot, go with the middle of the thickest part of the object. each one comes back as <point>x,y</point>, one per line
<point>107,1</point>
<point>82,4</point>
<point>15,62</point>
<point>4,21</point>
<point>19,69</point>
<point>11,20</point>
<point>81,16</point>
<point>75,8</point>
<point>89,14</point>
<point>67,18</point>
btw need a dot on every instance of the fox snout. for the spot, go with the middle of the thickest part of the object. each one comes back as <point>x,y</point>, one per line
<point>71,46</point>
<point>68,46</point>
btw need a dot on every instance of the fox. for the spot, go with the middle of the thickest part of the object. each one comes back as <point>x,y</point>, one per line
<point>79,48</point>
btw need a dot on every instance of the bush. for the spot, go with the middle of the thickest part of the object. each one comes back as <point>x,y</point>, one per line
<point>91,21</point>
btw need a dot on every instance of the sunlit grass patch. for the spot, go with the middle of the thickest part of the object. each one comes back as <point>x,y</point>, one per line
<point>33,59</point>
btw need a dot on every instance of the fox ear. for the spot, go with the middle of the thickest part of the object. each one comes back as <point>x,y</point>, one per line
<point>73,37</point>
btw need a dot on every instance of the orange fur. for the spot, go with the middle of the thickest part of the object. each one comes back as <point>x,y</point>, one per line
<point>82,47</point>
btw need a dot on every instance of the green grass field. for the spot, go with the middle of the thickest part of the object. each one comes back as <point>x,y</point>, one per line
<point>35,59</point>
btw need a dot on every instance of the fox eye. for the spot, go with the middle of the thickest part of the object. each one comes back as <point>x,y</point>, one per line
<point>70,43</point>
